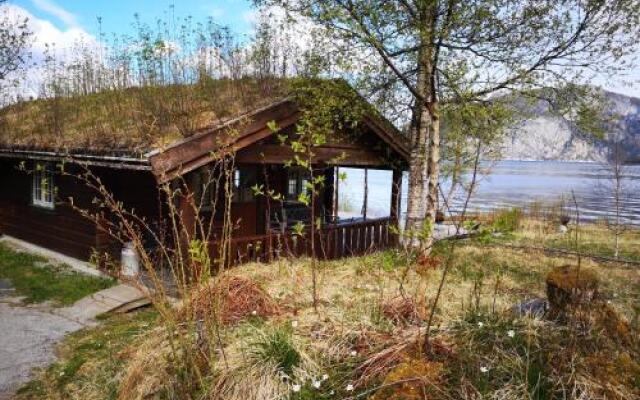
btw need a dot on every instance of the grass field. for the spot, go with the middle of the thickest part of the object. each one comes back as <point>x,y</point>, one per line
<point>260,337</point>
<point>38,280</point>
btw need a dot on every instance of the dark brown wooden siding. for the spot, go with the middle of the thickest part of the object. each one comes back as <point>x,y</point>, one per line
<point>64,229</point>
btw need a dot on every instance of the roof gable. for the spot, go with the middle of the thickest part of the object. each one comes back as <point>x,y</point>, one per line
<point>240,133</point>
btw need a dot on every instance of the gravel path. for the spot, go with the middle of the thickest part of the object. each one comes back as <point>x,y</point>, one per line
<point>28,335</point>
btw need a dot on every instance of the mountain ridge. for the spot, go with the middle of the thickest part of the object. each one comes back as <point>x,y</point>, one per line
<point>543,135</point>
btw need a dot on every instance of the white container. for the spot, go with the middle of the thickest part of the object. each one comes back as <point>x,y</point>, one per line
<point>130,262</point>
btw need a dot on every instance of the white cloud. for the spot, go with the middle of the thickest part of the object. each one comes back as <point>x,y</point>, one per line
<point>47,39</point>
<point>54,9</point>
<point>45,33</point>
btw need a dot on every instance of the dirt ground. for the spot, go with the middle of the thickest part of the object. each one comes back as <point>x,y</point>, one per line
<point>28,335</point>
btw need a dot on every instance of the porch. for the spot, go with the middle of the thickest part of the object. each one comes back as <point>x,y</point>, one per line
<point>333,241</point>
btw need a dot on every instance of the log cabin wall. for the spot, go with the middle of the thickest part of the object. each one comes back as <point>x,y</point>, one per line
<point>63,229</point>
<point>139,192</point>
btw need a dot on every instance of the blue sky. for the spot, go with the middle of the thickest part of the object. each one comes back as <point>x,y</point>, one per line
<point>118,15</point>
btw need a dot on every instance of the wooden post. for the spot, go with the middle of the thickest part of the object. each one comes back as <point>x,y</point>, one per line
<point>336,193</point>
<point>396,188</point>
<point>187,205</point>
<point>365,199</point>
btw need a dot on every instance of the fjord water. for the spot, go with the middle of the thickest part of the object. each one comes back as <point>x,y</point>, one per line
<point>506,184</point>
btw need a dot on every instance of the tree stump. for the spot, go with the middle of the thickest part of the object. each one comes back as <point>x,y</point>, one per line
<point>568,288</point>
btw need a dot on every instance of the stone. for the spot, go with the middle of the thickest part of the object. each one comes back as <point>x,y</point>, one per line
<point>534,307</point>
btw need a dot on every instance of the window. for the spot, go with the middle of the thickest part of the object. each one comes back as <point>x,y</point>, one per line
<point>237,180</point>
<point>292,191</point>
<point>297,182</point>
<point>43,190</point>
<point>243,179</point>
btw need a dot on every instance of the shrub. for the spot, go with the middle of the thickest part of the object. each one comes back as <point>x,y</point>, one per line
<point>236,298</point>
<point>396,259</point>
<point>507,221</point>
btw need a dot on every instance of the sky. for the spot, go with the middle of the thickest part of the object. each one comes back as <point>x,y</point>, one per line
<point>118,15</point>
<point>66,21</point>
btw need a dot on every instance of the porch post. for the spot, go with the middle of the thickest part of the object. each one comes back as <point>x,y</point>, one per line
<point>186,206</point>
<point>396,187</point>
<point>336,187</point>
<point>365,199</point>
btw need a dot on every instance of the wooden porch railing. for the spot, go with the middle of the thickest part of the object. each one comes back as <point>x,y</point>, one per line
<point>332,242</point>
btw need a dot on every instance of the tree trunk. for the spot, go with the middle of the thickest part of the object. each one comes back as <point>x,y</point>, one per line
<point>425,135</point>
<point>417,193</point>
<point>423,169</point>
<point>416,196</point>
<point>433,174</point>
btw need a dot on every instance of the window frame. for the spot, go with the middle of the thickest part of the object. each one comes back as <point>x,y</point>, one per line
<point>301,177</point>
<point>40,198</point>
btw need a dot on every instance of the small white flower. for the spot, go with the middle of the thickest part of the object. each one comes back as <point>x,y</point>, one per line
<point>354,353</point>
<point>484,370</point>
<point>331,393</point>
<point>316,384</point>
<point>349,388</point>
<point>296,388</point>
<point>480,324</point>
<point>294,324</point>
<point>284,376</point>
<point>511,333</point>
<point>325,377</point>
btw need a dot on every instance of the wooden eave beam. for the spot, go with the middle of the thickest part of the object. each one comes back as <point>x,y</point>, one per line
<point>206,147</point>
<point>345,156</point>
<point>393,139</point>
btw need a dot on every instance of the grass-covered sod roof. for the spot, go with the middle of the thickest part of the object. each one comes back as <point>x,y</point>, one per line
<point>132,121</point>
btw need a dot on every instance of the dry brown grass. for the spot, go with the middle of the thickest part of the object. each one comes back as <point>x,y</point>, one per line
<point>360,335</point>
<point>147,373</point>
<point>230,299</point>
<point>404,310</point>
<point>133,120</point>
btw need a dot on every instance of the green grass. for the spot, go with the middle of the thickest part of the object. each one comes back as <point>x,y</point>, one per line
<point>91,358</point>
<point>276,346</point>
<point>38,281</point>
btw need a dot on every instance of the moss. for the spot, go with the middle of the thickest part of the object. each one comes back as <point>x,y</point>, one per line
<point>618,369</point>
<point>568,285</point>
<point>412,379</point>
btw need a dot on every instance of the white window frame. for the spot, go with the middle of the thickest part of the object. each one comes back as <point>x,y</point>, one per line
<point>43,197</point>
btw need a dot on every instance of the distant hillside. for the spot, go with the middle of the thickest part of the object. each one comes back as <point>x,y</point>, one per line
<point>546,136</point>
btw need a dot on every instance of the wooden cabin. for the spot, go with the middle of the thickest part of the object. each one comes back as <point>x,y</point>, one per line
<point>36,199</point>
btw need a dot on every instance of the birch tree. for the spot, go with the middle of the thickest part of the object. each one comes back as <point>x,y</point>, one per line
<point>15,38</point>
<point>417,56</point>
